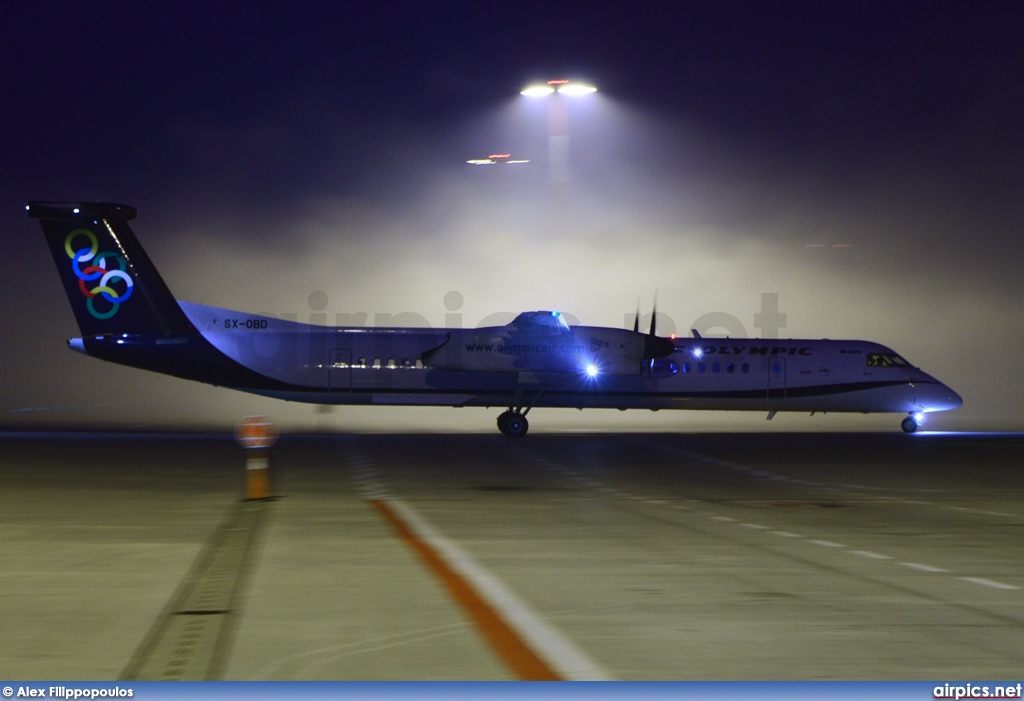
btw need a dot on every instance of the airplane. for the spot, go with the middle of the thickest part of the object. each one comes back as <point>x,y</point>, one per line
<point>127,315</point>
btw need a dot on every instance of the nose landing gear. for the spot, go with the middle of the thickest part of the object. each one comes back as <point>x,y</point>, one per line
<point>513,424</point>
<point>909,424</point>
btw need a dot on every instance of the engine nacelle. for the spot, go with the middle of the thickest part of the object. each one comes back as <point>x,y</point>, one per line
<point>544,342</point>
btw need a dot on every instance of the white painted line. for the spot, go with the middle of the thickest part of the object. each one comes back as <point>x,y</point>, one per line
<point>754,526</point>
<point>870,555</point>
<point>723,518</point>
<point>922,568</point>
<point>988,583</point>
<point>571,662</point>
<point>826,543</point>
<point>787,534</point>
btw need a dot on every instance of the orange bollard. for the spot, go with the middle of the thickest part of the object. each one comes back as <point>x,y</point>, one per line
<point>257,475</point>
<point>256,435</point>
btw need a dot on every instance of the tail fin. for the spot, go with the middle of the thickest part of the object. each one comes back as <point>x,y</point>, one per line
<point>110,281</point>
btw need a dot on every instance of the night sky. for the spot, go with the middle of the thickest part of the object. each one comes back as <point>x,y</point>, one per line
<point>862,161</point>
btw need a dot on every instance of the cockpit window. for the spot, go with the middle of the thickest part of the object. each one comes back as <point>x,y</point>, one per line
<point>885,360</point>
<point>543,322</point>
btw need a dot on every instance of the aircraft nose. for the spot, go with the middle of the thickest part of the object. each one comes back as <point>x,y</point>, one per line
<point>942,398</point>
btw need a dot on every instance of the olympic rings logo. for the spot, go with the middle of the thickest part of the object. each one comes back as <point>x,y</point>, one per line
<point>98,270</point>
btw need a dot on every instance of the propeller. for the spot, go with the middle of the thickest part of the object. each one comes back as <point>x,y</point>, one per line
<point>654,347</point>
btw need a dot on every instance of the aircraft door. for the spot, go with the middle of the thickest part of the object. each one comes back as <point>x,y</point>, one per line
<point>777,378</point>
<point>339,371</point>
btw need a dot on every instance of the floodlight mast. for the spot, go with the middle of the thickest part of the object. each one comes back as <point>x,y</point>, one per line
<point>558,126</point>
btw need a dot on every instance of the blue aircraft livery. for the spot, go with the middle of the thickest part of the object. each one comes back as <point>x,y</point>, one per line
<point>127,315</point>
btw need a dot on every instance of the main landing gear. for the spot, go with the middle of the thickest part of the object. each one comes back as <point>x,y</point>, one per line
<point>513,423</point>
<point>909,424</point>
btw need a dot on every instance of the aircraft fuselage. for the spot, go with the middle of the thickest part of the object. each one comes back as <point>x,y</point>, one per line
<point>328,365</point>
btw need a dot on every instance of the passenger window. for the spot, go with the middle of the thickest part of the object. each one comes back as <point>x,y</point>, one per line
<point>716,367</point>
<point>686,367</point>
<point>745,368</point>
<point>701,367</point>
<point>730,368</point>
<point>673,368</point>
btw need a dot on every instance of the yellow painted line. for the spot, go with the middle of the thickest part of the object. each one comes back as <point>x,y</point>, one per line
<point>530,648</point>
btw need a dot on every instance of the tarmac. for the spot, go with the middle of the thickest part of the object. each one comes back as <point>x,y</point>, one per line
<point>464,556</point>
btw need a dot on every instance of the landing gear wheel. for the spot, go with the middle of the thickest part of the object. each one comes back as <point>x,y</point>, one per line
<point>909,425</point>
<point>503,421</point>
<point>513,424</point>
<point>517,426</point>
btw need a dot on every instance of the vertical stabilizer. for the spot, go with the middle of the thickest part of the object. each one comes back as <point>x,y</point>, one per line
<point>110,281</point>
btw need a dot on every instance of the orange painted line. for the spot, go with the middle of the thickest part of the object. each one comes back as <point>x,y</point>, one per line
<point>502,638</point>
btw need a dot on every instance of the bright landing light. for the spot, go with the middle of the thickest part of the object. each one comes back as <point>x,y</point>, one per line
<point>591,370</point>
<point>537,91</point>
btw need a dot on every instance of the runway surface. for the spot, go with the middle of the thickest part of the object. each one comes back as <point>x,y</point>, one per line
<point>464,556</point>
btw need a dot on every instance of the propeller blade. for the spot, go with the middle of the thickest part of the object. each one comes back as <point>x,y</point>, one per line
<point>636,319</point>
<point>655,347</point>
<point>654,314</point>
